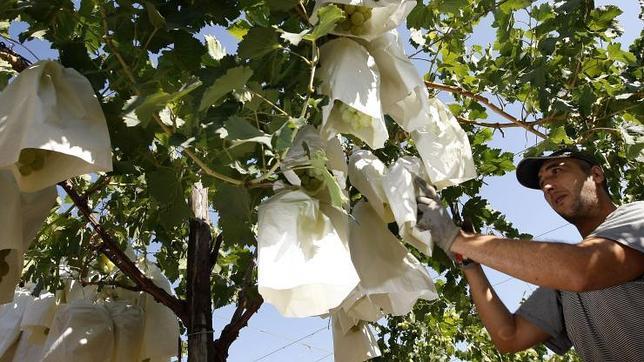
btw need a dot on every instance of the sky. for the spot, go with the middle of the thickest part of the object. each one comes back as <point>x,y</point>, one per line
<point>271,337</point>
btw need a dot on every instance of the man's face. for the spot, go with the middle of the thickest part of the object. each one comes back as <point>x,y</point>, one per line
<point>567,188</point>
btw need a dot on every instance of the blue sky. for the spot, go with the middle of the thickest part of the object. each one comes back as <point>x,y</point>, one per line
<point>271,337</point>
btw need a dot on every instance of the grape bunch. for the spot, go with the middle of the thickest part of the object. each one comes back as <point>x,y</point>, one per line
<point>356,16</point>
<point>4,266</point>
<point>356,119</point>
<point>31,159</point>
<point>311,178</point>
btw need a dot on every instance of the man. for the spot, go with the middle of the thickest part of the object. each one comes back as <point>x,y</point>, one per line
<point>591,294</point>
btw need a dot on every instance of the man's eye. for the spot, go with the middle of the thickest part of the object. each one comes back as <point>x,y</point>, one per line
<point>555,171</point>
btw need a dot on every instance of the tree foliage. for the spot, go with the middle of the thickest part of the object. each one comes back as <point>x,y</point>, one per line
<point>179,111</point>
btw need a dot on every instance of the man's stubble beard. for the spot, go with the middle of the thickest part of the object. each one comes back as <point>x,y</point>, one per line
<point>584,205</point>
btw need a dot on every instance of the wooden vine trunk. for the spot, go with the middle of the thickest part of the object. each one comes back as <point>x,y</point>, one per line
<point>200,334</point>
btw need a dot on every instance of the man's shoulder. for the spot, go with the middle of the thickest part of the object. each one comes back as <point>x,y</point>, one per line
<point>629,210</point>
<point>624,225</point>
<point>635,205</point>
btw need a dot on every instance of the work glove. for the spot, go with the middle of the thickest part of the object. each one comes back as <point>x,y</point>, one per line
<point>434,217</point>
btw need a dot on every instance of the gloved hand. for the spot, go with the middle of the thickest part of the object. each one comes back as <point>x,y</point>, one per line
<point>434,217</point>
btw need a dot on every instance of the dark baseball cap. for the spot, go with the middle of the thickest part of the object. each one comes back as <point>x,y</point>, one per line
<point>528,168</point>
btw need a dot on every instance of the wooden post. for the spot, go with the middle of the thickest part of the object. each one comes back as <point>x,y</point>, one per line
<point>200,338</point>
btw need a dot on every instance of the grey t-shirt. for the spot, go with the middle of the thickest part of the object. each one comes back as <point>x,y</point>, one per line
<point>605,324</point>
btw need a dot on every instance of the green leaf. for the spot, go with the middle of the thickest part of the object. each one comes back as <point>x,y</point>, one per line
<point>615,52</point>
<point>165,187</point>
<point>154,15</point>
<point>420,16</point>
<point>633,136</point>
<point>513,5</point>
<point>338,198</point>
<point>240,131</point>
<point>452,6</point>
<point>239,29</point>
<point>586,100</point>
<point>328,17</point>
<point>283,137</point>
<point>543,12</point>
<point>233,205</point>
<point>601,19</point>
<point>558,135</point>
<point>281,5</point>
<point>258,42</point>
<point>483,136</point>
<point>235,78</point>
<point>147,106</point>
<point>318,161</point>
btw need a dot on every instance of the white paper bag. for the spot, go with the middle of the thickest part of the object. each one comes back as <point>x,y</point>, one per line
<point>40,313</point>
<point>366,172</point>
<point>398,185</point>
<point>386,15</point>
<point>21,216</point>
<point>10,317</point>
<point>49,107</point>
<point>355,344</point>
<point>391,278</point>
<point>128,321</point>
<point>161,327</point>
<point>36,320</point>
<point>349,76</point>
<point>304,268</point>
<point>402,90</point>
<point>81,332</point>
<point>444,148</point>
<point>29,347</point>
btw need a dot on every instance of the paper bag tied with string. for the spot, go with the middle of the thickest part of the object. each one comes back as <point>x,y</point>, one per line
<point>391,278</point>
<point>52,127</point>
<point>21,216</point>
<point>304,267</point>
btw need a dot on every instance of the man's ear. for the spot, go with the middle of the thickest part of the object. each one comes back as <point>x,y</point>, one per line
<point>598,174</point>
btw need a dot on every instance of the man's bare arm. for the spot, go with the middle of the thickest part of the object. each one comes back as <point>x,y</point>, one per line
<point>595,263</point>
<point>510,333</point>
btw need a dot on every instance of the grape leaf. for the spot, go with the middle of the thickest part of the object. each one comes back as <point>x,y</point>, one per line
<point>234,78</point>
<point>328,17</point>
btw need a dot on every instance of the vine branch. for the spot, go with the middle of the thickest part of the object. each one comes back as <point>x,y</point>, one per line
<point>111,249</point>
<point>85,283</point>
<point>246,308</point>
<point>17,61</point>
<point>488,103</point>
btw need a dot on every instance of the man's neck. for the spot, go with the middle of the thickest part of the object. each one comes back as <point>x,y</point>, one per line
<point>595,217</point>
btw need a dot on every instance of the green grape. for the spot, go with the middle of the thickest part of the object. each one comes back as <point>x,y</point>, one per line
<point>31,159</point>
<point>350,9</point>
<point>39,162</point>
<point>311,179</point>
<point>356,119</point>
<point>24,170</point>
<point>315,173</point>
<point>357,30</point>
<point>355,19</point>
<point>345,26</point>
<point>366,11</point>
<point>27,156</point>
